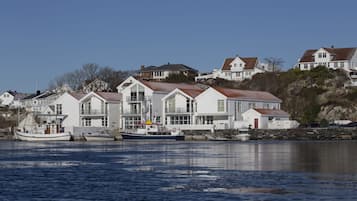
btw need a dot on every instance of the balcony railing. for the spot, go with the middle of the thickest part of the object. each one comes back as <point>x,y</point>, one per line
<point>131,112</point>
<point>178,110</point>
<point>93,112</point>
<point>137,98</point>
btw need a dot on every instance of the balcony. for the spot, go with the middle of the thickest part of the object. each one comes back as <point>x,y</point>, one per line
<point>131,113</point>
<point>137,98</point>
<point>179,110</point>
<point>94,112</point>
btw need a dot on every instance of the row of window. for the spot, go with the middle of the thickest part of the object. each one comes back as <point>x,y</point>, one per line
<point>179,120</point>
<point>158,73</point>
<point>88,122</point>
<point>322,55</point>
<point>330,64</point>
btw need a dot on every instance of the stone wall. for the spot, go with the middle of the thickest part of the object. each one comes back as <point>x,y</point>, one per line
<point>283,134</point>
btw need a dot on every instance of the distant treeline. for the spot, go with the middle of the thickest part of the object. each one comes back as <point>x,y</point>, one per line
<point>89,72</point>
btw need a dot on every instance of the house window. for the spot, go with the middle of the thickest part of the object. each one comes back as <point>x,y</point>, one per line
<point>320,55</point>
<point>251,105</point>
<point>104,121</point>
<point>324,55</point>
<point>58,108</point>
<point>209,120</point>
<point>311,65</point>
<point>270,118</point>
<point>188,105</point>
<point>220,104</point>
<point>235,65</point>
<point>305,66</point>
<point>87,122</point>
<point>335,64</point>
<point>342,64</point>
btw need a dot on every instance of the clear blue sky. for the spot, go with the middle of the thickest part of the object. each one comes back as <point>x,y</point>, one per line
<point>41,39</point>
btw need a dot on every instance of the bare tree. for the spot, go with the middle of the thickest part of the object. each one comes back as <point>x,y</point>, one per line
<point>274,63</point>
<point>89,71</point>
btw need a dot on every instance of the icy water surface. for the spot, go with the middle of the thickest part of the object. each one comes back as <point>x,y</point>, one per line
<point>169,170</point>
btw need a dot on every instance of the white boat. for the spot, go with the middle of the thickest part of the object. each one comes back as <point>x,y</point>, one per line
<point>24,136</point>
<point>243,134</point>
<point>153,131</point>
<point>99,136</point>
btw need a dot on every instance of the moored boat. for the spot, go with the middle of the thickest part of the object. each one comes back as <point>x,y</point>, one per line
<point>28,136</point>
<point>243,134</point>
<point>98,136</point>
<point>154,132</point>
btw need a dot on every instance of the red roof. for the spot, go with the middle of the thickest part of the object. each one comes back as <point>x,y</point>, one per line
<point>168,87</point>
<point>339,54</point>
<point>110,96</point>
<point>192,92</point>
<point>227,64</point>
<point>272,112</point>
<point>250,63</point>
<point>247,94</point>
<point>77,95</point>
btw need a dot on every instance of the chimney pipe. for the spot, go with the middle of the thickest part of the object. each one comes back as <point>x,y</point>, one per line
<point>142,67</point>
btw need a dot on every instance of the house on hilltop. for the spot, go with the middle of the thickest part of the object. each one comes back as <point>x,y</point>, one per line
<point>334,58</point>
<point>159,73</point>
<point>236,69</point>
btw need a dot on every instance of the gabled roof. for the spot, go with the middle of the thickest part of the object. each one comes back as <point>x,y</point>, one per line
<point>168,67</point>
<point>110,96</point>
<point>105,96</point>
<point>167,87</point>
<point>192,92</point>
<point>272,112</point>
<point>250,63</point>
<point>227,64</point>
<point>77,95</point>
<point>247,94</point>
<point>339,54</point>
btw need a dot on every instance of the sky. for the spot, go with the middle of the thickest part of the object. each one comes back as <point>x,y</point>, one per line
<point>41,40</point>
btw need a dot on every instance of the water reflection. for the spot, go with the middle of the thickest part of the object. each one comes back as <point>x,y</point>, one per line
<point>169,170</point>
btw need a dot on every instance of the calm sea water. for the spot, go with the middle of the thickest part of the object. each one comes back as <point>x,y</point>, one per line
<point>169,170</point>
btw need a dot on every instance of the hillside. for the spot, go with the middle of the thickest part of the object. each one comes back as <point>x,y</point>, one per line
<point>309,96</point>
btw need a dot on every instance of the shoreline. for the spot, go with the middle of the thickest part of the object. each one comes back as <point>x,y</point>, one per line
<point>314,134</point>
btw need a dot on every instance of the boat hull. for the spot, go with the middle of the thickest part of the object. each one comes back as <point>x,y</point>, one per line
<point>43,137</point>
<point>134,136</point>
<point>98,138</point>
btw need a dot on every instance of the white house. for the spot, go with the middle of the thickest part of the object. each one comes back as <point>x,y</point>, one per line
<point>179,107</point>
<point>268,119</point>
<point>65,110</point>
<point>11,99</point>
<point>142,100</point>
<point>157,73</point>
<point>224,107</point>
<point>95,85</point>
<point>237,69</point>
<point>39,102</point>
<point>334,58</point>
<point>100,109</point>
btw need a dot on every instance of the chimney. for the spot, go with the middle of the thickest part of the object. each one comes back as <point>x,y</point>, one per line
<point>142,67</point>
<point>168,63</point>
<point>332,46</point>
<point>38,92</point>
